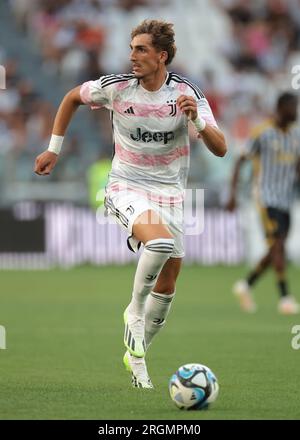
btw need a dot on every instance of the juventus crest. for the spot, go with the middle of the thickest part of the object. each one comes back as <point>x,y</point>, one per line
<point>172,105</point>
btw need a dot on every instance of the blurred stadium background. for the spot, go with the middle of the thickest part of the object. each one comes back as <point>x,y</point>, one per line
<point>241,54</point>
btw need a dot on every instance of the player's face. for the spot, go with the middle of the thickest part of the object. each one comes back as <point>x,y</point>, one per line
<point>146,60</point>
<point>289,111</point>
<point>292,111</point>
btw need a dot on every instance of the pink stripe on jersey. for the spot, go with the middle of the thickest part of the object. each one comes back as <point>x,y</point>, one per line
<point>171,200</point>
<point>122,85</point>
<point>85,94</point>
<point>181,87</point>
<point>142,110</point>
<point>151,159</point>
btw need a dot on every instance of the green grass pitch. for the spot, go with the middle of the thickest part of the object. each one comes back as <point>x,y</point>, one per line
<point>65,347</point>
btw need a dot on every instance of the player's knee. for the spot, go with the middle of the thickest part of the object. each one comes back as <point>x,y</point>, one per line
<point>166,287</point>
<point>278,256</point>
<point>161,246</point>
<point>278,248</point>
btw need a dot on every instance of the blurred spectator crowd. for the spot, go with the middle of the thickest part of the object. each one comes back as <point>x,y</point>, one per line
<point>239,52</point>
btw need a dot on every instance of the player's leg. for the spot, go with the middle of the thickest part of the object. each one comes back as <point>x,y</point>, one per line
<point>135,213</point>
<point>278,224</point>
<point>158,247</point>
<point>260,268</point>
<point>158,304</point>
<point>242,288</point>
<point>159,301</point>
<point>281,224</point>
<point>279,265</point>
<point>287,304</point>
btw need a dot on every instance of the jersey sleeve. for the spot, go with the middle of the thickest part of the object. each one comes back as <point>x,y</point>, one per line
<point>94,94</point>
<point>205,111</point>
<point>203,106</point>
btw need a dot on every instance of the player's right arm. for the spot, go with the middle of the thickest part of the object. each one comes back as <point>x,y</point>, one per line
<point>253,148</point>
<point>46,161</point>
<point>231,204</point>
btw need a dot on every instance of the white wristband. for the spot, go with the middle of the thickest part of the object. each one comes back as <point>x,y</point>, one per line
<point>199,123</point>
<point>55,143</point>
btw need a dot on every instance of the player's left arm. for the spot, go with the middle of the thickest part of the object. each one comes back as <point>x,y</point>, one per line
<point>211,134</point>
<point>298,170</point>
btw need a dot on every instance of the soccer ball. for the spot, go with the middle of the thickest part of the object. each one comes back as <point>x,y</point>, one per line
<point>193,386</point>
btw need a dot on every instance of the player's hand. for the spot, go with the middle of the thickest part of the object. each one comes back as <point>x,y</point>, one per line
<point>231,204</point>
<point>45,163</point>
<point>188,105</point>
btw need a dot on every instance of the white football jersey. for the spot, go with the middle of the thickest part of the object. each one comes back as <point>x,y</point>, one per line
<point>151,141</point>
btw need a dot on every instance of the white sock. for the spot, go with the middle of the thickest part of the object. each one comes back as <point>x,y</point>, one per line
<point>157,308</point>
<point>155,254</point>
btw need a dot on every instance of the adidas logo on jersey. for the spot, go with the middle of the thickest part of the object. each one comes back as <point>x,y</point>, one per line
<point>158,136</point>
<point>129,111</point>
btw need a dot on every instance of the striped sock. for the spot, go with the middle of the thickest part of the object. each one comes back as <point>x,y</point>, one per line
<point>157,308</point>
<point>155,254</point>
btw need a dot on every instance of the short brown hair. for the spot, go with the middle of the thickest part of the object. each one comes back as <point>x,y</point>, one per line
<point>163,37</point>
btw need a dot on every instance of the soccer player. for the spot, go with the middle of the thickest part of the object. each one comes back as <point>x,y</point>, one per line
<point>150,112</point>
<point>275,151</point>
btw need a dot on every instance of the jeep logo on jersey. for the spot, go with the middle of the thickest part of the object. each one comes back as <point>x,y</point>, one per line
<point>158,136</point>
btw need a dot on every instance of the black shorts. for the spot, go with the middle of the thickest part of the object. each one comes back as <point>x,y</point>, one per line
<point>276,222</point>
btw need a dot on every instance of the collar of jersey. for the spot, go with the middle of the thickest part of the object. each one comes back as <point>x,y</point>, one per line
<point>155,91</point>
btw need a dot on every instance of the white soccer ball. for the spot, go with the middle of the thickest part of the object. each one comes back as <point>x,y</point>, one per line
<point>193,386</point>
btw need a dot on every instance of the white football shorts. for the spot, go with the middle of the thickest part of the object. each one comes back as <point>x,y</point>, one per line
<point>126,206</point>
